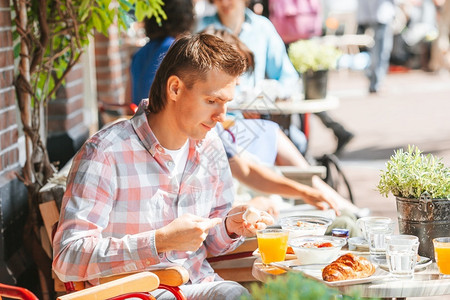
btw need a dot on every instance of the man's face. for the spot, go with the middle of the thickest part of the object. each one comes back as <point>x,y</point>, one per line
<point>230,7</point>
<point>199,108</point>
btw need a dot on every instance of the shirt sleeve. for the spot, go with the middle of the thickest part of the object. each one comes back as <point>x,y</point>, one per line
<point>218,241</point>
<point>81,252</point>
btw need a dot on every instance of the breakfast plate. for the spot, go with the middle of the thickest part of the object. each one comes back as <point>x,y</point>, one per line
<point>315,272</point>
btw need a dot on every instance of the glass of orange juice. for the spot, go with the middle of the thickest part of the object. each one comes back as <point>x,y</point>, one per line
<point>272,244</point>
<point>442,255</point>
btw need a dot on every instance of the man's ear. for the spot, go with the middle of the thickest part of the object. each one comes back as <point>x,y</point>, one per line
<point>173,87</point>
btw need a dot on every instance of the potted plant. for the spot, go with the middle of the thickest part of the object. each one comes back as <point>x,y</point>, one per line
<point>312,60</point>
<point>421,186</point>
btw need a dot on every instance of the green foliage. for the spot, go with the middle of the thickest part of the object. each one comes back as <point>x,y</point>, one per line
<point>295,286</point>
<point>308,55</point>
<point>58,39</point>
<point>410,174</point>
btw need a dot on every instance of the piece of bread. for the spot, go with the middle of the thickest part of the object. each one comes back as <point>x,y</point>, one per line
<point>348,266</point>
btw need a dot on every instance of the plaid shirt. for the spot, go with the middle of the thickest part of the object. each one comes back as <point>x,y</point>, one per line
<point>120,190</point>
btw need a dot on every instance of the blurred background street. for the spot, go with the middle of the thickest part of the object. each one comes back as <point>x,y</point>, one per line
<point>411,108</point>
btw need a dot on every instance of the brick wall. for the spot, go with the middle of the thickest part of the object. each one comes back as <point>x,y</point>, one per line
<point>13,194</point>
<point>9,150</point>
<point>112,60</point>
<point>66,128</point>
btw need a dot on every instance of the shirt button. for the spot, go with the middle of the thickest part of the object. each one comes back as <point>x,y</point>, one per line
<point>170,164</point>
<point>159,148</point>
<point>147,262</point>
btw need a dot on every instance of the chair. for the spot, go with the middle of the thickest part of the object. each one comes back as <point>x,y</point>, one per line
<point>133,286</point>
<point>16,292</point>
<point>168,278</point>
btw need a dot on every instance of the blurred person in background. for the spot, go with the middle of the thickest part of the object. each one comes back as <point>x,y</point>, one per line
<point>145,62</point>
<point>377,15</point>
<point>271,60</point>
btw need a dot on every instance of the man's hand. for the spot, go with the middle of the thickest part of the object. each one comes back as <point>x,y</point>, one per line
<point>185,233</point>
<point>236,224</point>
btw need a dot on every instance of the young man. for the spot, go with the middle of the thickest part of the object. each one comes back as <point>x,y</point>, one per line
<point>156,190</point>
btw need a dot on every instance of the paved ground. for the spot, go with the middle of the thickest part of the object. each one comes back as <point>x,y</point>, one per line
<point>411,108</point>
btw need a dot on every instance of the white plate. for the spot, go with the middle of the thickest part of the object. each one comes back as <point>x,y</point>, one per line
<point>288,256</point>
<point>420,265</point>
<point>315,272</point>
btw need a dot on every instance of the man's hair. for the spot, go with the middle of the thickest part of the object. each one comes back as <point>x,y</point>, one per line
<point>190,58</point>
<point>180,19</point>
<point>232,39</point>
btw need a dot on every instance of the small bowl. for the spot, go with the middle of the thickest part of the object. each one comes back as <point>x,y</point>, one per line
<point>305,225</point>
<point>313,249</point>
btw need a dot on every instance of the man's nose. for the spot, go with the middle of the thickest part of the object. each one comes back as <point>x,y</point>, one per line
<point>221,113</point>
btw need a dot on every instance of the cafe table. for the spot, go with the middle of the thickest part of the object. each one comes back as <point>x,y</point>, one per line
<point>426,283</point>
<point>294,105</point>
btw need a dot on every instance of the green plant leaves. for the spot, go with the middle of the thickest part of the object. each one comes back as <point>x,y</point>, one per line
<point>308,55</point>
<point>295,286</point>
<point>410,173</point>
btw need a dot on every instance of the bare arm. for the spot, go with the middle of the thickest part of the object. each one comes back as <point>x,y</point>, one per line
<point>267,181</point>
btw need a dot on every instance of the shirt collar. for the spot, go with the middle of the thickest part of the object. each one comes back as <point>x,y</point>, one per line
<point>146,135</point>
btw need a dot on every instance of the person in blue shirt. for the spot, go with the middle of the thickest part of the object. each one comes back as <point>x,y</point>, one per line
<point>271,60</point>
<point>261,37</point>
<point>145,62</point>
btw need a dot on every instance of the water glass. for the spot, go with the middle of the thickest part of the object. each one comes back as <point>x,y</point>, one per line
<point>377,230</point>
<point>272,244</point>
<point>401,254</point>
<point>361,223</point>
<point>442,255</point>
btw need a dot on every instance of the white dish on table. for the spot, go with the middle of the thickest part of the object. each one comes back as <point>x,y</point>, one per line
<point>358,244</point>
<point>421,264</point>
<point>316,249</point>
<point>314,271</point>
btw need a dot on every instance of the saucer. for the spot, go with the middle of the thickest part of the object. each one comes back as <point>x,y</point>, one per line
<point>358,244</point>
<point>422,263</point>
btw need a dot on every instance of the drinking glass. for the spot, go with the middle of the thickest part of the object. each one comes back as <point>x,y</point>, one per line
<point>377,230</point>
<point>401,254</point>
<point>272,244</point>
<point>442,255</point>
<point>361,223</point>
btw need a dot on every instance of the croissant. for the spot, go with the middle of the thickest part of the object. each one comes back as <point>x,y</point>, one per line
<point>348,266</point>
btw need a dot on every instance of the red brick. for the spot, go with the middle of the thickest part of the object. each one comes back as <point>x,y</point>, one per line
<point>11,114</point>
<point>75,73</point>
<point>3,120</point>
<point>65,92</point>
<point>64,108</point>
<point>7,98</point>
<point>64,124</point>
<point>6,58</point>
<point>4,3</point>
<point>5,39</point>
<point>14,135</point>
<point>4,140</point>
<point>5,18</point>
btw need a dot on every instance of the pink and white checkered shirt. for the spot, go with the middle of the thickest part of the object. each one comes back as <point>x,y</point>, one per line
<point>120,190</point>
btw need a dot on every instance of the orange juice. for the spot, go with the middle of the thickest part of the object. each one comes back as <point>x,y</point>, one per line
<point>442,254</point>
<point>272,244</point>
